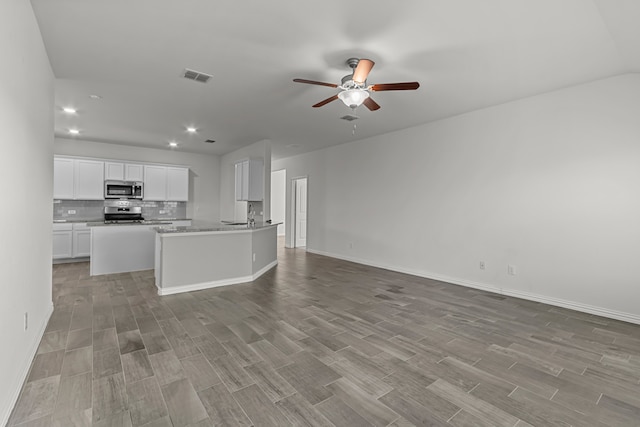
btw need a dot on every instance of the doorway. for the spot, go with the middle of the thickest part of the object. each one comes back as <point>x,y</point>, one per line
<point>299,203</point>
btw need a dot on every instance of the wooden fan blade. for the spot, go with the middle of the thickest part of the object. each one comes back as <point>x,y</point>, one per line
<point>362,70</point>
<point>395,86</point>
<point>371,104</point>
<point>326,101</point>
<point>313,82</point>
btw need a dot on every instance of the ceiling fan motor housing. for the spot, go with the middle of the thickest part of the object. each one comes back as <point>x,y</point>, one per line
<point>348,83</point>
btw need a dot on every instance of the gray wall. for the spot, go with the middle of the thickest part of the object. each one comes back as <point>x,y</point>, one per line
<point>204,170</point>
<point>548,184</point>
<point>26,170</point>
<point>229,207</point>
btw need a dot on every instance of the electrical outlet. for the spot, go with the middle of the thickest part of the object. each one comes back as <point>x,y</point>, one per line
<point>350,245</point>
<point>71,211</point>
<point>26,320</point>
<point>511,270</point>
<point>482,265</point>
<point>254,257</point>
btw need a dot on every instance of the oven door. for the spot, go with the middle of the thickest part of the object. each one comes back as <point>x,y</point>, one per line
<point>118,190</point>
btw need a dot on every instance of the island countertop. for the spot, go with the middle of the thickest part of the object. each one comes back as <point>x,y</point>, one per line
<point>213,227</point>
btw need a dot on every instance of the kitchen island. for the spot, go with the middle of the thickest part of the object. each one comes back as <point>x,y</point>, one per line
<point>201,257</point>
<point>124,247</point>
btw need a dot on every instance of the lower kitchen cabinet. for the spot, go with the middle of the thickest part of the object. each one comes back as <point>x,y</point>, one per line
<point>62,241</point>
<point>81,240</point>
<point>71,241</point>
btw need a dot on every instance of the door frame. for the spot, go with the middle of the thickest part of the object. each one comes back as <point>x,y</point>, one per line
<point>292,226</point>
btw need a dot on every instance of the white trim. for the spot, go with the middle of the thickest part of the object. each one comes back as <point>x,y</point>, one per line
<point>558,302</point>
<point>26,365</point>
<point>216,283</point>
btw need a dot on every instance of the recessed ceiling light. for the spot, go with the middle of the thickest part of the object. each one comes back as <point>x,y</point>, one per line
<point>191,129</point>
<point>74,131</point>
<point>69,110</point>
<point>94,96</point>
<point>173,144</point>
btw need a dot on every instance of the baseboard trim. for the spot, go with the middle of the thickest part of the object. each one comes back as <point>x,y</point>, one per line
<point>216,283</point>
<point>558,302</point>
<point>24,370</point>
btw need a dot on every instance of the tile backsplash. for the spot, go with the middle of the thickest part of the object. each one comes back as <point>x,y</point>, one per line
<point>159,210</point>
<point>92,210</point>
<point>78,209</point>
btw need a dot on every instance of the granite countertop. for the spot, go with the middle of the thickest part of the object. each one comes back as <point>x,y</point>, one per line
<point>100,221</point>
<point>75,221</point>
<point>124,224</point>
<point>201,228</point>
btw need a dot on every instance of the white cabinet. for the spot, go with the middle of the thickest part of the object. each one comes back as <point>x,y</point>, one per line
<point>162,183</point>
<point>71,240</point>
<point>63,178</point>
<point>83,179</point>
<point>62,241</point>
<point>133,172</point>
<point>155,183</point>
<point>177,184</point>
<point>81,240</point>
<point>123,171</point>
<point>89,180</point>
<point>78,179</point>
<point>114,170</point>
<point>249,180</point>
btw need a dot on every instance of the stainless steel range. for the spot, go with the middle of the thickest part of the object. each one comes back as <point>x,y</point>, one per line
<point>122,211</point>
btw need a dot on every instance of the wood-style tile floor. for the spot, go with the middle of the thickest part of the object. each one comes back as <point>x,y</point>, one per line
<point>318,341</point>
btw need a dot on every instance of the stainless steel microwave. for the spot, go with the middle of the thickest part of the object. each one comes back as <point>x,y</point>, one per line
<point>123,190</point>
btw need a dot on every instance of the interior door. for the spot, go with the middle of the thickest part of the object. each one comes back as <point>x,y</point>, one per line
<point>301,212</point>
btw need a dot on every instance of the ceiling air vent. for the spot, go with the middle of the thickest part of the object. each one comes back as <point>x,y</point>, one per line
<point>209,141</point>
<point>349,117</point>
<point>196,75</point>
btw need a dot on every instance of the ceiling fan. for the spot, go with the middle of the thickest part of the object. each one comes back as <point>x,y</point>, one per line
<point>354,89</point>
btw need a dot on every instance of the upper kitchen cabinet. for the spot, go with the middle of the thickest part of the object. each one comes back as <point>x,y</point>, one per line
<point>78,179</point>
<point>177,184</point>
<point>249,180</point>
<point>133,172</point>
<point>166,183</point>
<point>123,171</point>
<point>63,178</point>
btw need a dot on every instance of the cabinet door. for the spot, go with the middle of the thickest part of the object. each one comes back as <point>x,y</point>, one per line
<point>242,180</point>
<point>62,178</point>
<point>155,183</point>
<point>239,169</point>
<point>62,244</point>
<point>255,186</point>
<point>177,184</point>
<point>133,172</point>
<point>113,170</point>
<point>89,180</point>
<point>81,243</point>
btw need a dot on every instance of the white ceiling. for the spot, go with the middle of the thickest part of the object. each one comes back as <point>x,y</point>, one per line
<point>466,54</point>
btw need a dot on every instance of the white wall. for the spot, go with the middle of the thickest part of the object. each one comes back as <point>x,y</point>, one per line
<point>229,208</point>
<point>278,194</point>
<point>204,170</point>
<point>313,166</point>
<point>549,184</point>
<point>26,170</point>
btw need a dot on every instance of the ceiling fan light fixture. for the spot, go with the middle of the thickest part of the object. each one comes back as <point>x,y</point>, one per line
<point>353,97</point>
